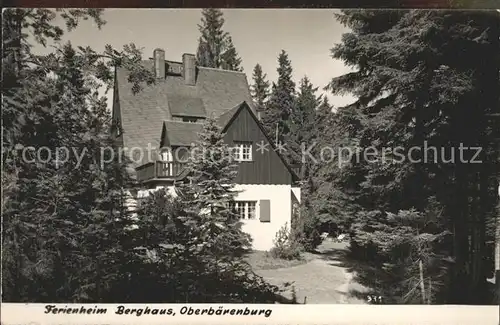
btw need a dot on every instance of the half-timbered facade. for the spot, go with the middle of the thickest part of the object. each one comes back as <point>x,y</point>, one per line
<point>157,127</point>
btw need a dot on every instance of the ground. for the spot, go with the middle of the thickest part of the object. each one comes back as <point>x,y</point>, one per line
<point>320,278</point>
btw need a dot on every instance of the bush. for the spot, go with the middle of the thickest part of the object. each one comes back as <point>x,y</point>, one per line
<point>307,231</point>
<point>286,245</point>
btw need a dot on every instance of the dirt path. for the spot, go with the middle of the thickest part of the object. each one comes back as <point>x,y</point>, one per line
<point>320,281</point>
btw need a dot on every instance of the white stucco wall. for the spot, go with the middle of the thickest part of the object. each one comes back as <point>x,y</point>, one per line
<point>263,233</point>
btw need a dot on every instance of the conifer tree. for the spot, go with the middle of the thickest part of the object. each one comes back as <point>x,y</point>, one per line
<point>302,120</point>
<point>211,191</point>
<point>259,88</point>
<point>230,59</point>
<point>404,211</point>
<point>62,212</point>
<point>215,46</point>
<point>216,238</point>
<point>281,101</point>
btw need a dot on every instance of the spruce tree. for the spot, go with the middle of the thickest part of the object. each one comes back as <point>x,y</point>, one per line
<point>259,88</point>
<point>302,121</point>
<point>411,212</point>
<point>230,59</point>
<point>211,191</point>
<point>215,46</point>
<point>303,125</point>
<point>281,101</point>
<point>216,240</point>
<point>62,212</point>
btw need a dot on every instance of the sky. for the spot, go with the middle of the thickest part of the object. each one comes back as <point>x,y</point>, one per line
<point>259,35</point>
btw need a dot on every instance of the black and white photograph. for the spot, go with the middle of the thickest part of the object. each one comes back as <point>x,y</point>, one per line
<point>244,156</point>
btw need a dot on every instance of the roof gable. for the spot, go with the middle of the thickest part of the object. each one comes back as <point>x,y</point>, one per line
<point>185,134</point>
<point>142,115</point>
<point>232,115</point>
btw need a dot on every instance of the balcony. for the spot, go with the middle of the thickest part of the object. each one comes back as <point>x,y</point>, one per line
<point>159,170</point>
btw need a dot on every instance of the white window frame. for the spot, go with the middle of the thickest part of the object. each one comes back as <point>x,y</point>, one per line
<point>244,209</point>
<point>243,151</point>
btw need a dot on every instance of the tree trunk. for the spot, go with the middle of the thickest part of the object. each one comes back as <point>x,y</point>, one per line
<point>429,296</point>
<point>459,292</point>
<point>497,240</point>
<point>488,103</point>
<point>478,287</point>
<point>422,281</point>
<point>497,253</point>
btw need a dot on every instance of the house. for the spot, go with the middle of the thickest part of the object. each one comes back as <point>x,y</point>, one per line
<point>158,125</point>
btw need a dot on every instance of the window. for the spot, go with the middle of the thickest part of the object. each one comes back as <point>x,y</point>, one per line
<point>166,154</point>
<point>189,119</point>
<point>242,151</point>
<point>245,209</point>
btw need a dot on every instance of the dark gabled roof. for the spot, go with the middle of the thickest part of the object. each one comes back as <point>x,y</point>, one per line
<point>185,134</point>
<point>143,114</point>
<point>233,113</point>
<point>180,133</point>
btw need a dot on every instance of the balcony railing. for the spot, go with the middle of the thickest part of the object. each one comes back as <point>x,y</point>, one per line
<point>159,170</point>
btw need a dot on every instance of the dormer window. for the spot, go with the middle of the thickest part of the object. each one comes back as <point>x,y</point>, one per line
<point>187,119</point>
<point>190,119</point>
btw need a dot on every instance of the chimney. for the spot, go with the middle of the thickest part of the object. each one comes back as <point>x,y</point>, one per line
<point>189,69</point>
<point>159,63</point>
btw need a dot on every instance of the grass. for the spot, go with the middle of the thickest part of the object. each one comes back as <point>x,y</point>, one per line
<point>262,260</point>
<point>316,278</point>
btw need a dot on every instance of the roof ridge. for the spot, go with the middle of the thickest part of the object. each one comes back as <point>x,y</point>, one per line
<point>199,66</point>
<point>235,106</point>
<point>221,70</point>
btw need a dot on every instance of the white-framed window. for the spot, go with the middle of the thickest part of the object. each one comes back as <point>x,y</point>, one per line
<point>245,209</point>
<point>242,151</point>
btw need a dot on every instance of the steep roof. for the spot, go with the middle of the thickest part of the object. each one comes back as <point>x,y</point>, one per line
<point>176,133</point>
<point>180,133</point>
<point>225,118</point>
<point>142,115</point>
<point>185,134</point>
<point>186,106</point>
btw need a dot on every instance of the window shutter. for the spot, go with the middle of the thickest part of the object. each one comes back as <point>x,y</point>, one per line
<point>265,211</point>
